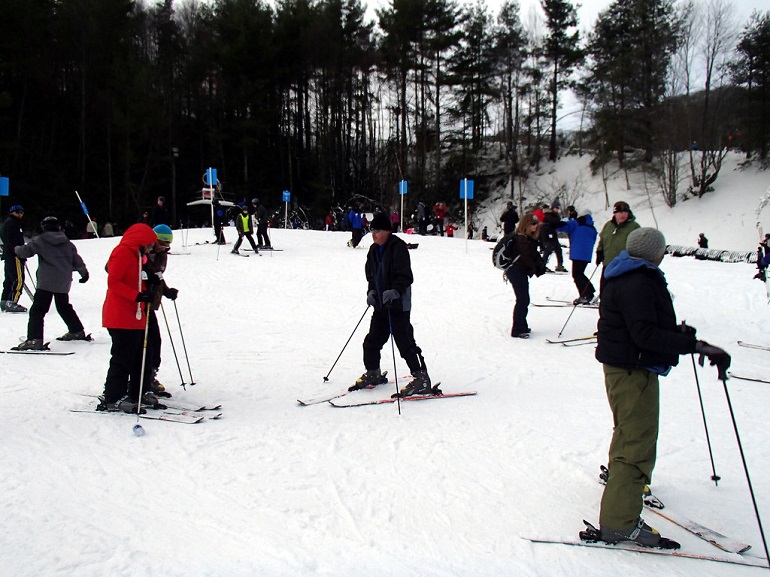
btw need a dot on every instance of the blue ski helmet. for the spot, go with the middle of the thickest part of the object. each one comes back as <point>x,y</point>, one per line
<point>164,233</point>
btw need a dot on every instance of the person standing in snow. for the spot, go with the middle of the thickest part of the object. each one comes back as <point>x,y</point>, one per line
<point>244,225</point>
<point>638,340</point>
<point>13,236</point>
<point>582,237</point>
<point>612,238</point>
<point>439,209</point>
<point>57,260</point>
<point>160,214</point>
<point>356,226</point>
<point>125,316</point>
<point>528,263</point>
<point>509,218</point>
<point>549,238</point>
<point>389,290</point>
<point>261,217</point>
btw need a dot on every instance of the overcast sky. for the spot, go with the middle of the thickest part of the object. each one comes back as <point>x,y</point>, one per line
<point>589,9</point>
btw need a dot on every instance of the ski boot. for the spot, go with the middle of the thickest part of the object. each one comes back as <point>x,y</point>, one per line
<point>76,336</point>
<point>123,404</point>
<point>369,380</point>
<point>12,307</point>
<point>30,345</point>
<point>150,401</point>
<point>419,385</point>
<point>641,534</point>
<point>157,388</point>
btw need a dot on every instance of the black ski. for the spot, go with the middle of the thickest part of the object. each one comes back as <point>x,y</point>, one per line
<point>44,351</point>
<point>392,400</point>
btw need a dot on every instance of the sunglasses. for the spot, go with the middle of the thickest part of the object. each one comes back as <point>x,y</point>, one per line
<point>620,210</point>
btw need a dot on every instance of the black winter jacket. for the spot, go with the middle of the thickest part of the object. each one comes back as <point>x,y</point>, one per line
<point>637,322</point>
<point>390,268</point>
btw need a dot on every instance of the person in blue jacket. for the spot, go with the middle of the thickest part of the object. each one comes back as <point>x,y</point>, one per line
<point>582,237</point>
<point>356,225</point>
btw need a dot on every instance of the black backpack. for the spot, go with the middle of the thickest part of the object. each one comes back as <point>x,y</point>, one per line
<point>506,251</point>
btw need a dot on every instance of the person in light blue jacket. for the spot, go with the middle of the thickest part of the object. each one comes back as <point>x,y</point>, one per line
<point>582,237</point>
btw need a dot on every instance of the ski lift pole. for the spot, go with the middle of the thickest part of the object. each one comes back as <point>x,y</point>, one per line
<point>85,211</point>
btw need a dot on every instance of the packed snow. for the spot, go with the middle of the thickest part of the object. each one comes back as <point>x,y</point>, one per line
<point>449,487</point>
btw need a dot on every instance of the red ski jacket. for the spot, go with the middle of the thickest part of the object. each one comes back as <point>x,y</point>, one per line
<point>124,280</point>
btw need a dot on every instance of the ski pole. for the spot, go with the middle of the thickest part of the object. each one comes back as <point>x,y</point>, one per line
<point>29,275</point>
<point>395,371</point>
<point>184,346</point>
<point>85,211</point>
<point>745,468</point>
<point>575,305</point>
<point>714,477</point>
<point>173,348</point>
<point>138,430</point>
<point>326,378</point>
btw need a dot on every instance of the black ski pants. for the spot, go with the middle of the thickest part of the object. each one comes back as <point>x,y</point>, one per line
<point>403,335</point>
<point>584,286</point>
<point>125,371</point>
<point>41,304</point>
<point>14,278</point>
<point>250,238</point>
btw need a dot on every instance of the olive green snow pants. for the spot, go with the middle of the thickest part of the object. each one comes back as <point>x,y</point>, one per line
<point>634,400</point>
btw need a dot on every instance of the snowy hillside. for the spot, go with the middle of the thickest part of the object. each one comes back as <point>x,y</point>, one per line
<point>449,488</point>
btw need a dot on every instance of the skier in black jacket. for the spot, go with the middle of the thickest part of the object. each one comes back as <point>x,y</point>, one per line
<point>638,340</point>
<point>389,278</point>
<point>13,284</point>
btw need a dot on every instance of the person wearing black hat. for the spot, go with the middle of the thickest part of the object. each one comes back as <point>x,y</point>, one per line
<point>639,340</point>
<point>57,260</point>
<point>389,290</point>
<point>245,227</point>
<point>13,284</point>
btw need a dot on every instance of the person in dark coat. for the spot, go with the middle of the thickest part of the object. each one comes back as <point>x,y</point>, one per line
<point>57,260</point>
<point>13,236</point>
<point>389,290</point>
<point>509,218</point>
<point>260,215</point>
<point>160,214</point>
<point>638,340</point>
<point>582,237</point>
<point>529,263</point>
<point>549,238</point>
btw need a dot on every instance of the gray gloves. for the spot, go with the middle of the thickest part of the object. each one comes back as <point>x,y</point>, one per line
<point>389,296</point>
<point>716,356</point>
<point>371,298</point>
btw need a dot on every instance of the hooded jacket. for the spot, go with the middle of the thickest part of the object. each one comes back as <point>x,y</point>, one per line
<point>637,323</point>
<point>57,259</point>
<point>582,237</point>
<point>124,281</point>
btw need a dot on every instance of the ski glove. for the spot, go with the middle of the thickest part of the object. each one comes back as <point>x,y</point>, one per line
<point>144,297</point>
<point>599,257</point>
<point>686,329</point>
<point>371,298</point>
<point>84,277</point>
<point>389,296</point>
<point>170,293</point>
<point>716,356</point>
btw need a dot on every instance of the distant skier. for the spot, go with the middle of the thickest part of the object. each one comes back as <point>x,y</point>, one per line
<point>389,280</point>
<point>57,260</point>
<point>261,217</point>
<point>509,218</point>
<point>245,227</point>
<point>356,226</point>
<point>638,340</point>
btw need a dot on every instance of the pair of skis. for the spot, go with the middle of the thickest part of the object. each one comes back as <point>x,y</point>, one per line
<point>175,412</point>
<point>563,303</point>
<point>334,399</point>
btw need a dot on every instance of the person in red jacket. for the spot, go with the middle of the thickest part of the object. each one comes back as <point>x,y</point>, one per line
<point>124,315</point>
<point>439,209</point>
